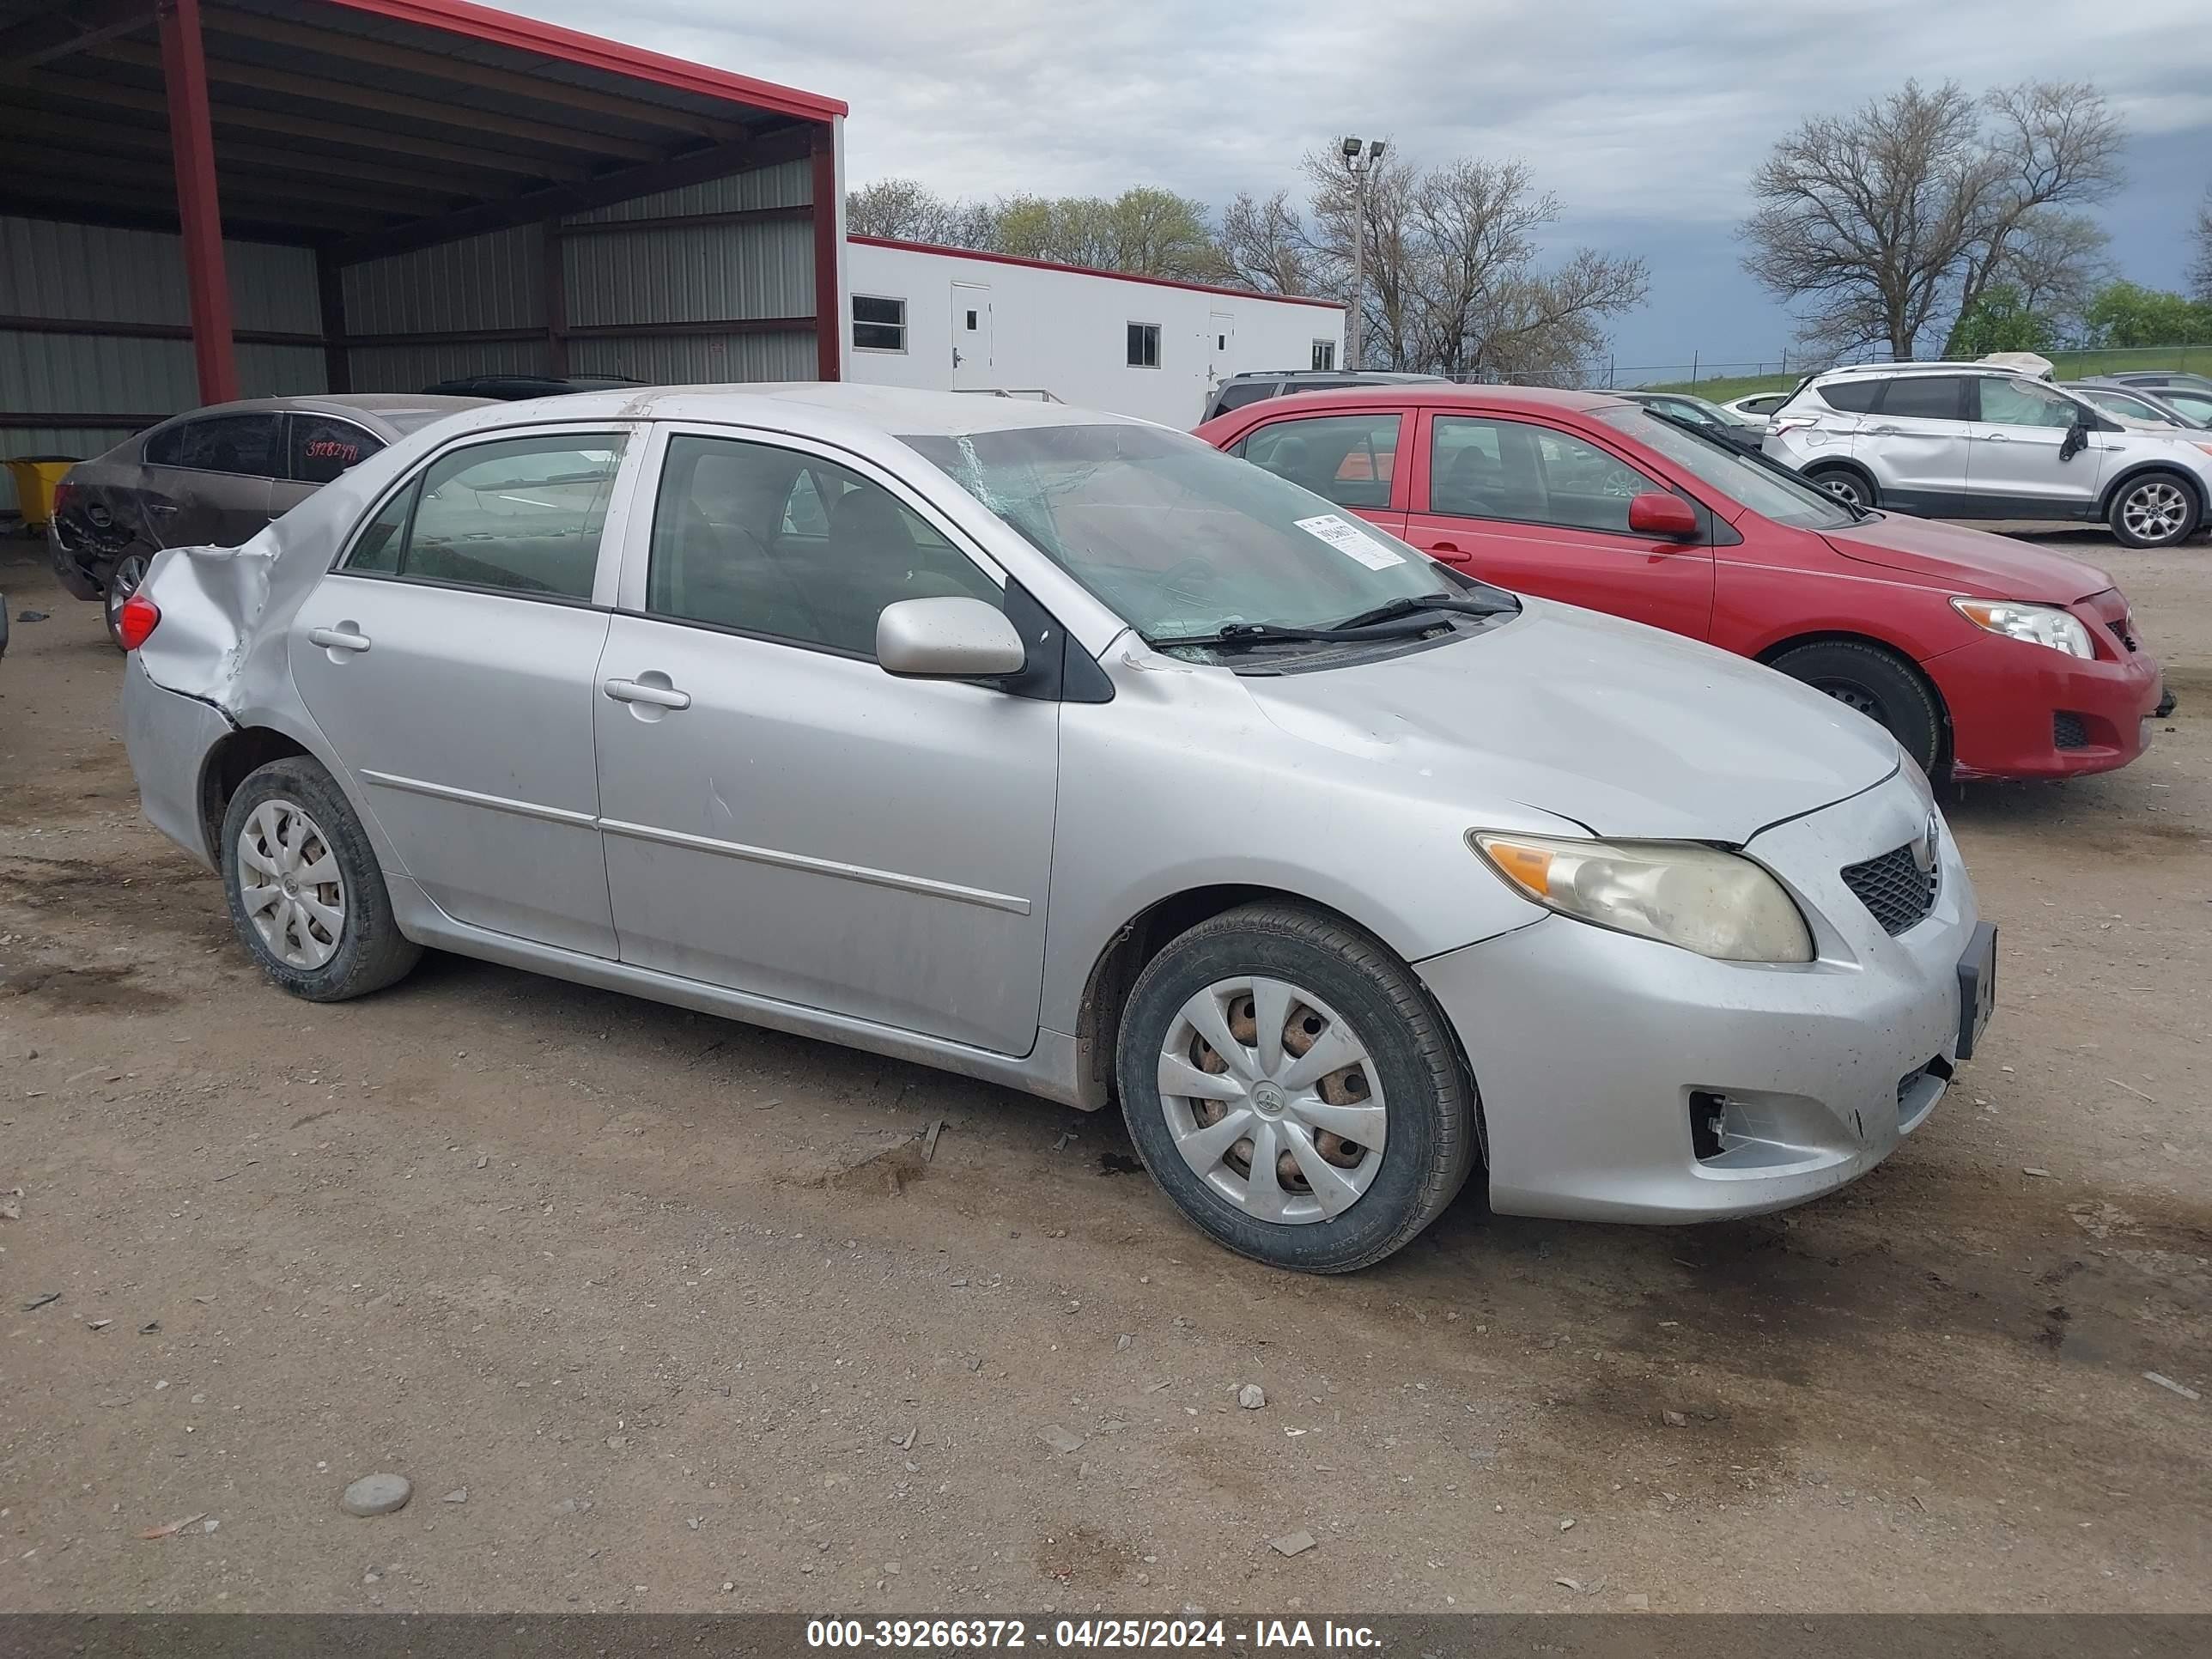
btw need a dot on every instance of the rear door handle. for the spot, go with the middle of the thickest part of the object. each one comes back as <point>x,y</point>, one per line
<point>660,696</point>
<point>1451,553</point>
<point>1995,438</point>
<point>339,639</point>
<point>163,507</point>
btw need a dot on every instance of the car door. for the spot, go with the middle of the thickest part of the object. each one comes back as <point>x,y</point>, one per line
<point>2022,464</point>
<point>1915,439</point>
<point>1543,511</point>
<point>783,817</point>
<point>1349,457</point>
<point>210,484</point>
<point>449,658</point>
<point>317,449</point>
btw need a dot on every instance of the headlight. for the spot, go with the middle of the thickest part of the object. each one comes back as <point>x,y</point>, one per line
<point>2038,624</point>
<point>1680,892</point>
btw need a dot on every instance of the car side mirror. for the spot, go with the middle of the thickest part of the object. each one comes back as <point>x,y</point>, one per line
<point>947,639</point>
<point>1656,513</point>
<point>2077,438</point>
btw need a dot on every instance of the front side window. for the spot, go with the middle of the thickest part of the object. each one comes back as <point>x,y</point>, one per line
<point>1347,458</point>
<point>792,547</point>
<point>520,516</point>
<point>1480,468</point>
<point>1924,398</point>
<point>1177,538</point>
<point>2024,403</point>
<point>1144,346</point>
<point>241,444</point>
<point>879,323</point>
<point>321,447</point>
<point>1324,354</point>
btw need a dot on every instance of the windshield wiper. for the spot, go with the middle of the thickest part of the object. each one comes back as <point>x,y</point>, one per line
<point>1415,604</point>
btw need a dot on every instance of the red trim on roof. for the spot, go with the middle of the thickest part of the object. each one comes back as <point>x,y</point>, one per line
<point>1083,271</point>
<point>572,45</point>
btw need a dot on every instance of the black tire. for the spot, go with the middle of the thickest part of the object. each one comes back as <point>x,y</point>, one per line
<point>371,951</point>
<point>1845,484</point>
<point>1880,684</point>
<point>1430,1147</point>
<point>2155,510</point>
<point>121,582</point>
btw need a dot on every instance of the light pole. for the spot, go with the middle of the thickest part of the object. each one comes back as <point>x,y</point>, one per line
<point>1358,159</point>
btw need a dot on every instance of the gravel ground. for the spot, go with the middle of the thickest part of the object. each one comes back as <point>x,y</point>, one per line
<point>660,1312</point>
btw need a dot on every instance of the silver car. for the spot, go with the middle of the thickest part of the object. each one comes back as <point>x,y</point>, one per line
<point>1061,751</point>
<point>1972,441</point>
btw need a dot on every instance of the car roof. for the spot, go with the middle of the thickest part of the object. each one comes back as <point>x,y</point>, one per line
<point>378,408</point>
<point>1447,394</point>
<point>1383,375</point>
<point>1935,366</point>
<point>800,406</point>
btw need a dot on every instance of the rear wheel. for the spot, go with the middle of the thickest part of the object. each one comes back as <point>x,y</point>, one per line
<point>1289,1084</point>
<point>1878,683</point>
<point>1846,483</point>
<point>2153,509</point>
<point>121,582</point>
<point>306,898</point>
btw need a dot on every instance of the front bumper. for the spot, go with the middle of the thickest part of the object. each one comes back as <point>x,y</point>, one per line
<point>1597,1056</point>
<point>2023,711</point>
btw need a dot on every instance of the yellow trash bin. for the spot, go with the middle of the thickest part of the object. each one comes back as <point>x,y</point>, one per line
<point>35,477</point>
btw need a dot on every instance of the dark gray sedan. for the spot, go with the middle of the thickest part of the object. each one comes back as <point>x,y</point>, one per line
<point>214,477</point>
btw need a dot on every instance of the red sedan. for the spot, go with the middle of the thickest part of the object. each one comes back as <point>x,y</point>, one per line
<point>1984,656</point>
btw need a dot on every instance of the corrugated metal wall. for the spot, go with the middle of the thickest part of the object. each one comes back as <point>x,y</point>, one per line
<point>99,274</point>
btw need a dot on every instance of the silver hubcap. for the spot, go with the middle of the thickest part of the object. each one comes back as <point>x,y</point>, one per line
<point>2154,512</point>
<point>1843,488</point>
<point>1273,1100</point>
<point>288,880</point>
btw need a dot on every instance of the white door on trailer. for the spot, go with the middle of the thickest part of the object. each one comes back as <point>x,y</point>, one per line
<point>1220,344</point>
<point>971,337</point>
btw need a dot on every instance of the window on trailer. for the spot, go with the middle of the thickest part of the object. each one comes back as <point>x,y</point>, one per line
<point>878,324</point>
<point>1324,354</point>
<point>1144,346</point>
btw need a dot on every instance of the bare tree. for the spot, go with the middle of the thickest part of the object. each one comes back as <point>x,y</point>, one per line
<point>1264,245</point>
<point>2057,262</point>
<point>2200,263</point>
<point>1453,285</point>
<point>1884,221</point>
<point>908,210</point>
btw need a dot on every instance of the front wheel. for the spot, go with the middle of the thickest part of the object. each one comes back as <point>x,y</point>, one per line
<point>2153,509</point>
<point>1881,685</point>
<point>121,582</point>
<point>1288,1082</point>
<point>306,898</point>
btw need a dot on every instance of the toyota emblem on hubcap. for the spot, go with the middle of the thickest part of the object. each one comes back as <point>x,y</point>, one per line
<point>1266,1098</point>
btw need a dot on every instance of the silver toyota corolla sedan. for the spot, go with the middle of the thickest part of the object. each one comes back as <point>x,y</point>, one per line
<point>1061,751</point>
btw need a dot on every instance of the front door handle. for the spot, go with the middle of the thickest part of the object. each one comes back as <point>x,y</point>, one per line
<point>341,638</point>
<point>1451,553</point>
<point>660,696</point>
<point>164,508</point>
<point>1995,438</point>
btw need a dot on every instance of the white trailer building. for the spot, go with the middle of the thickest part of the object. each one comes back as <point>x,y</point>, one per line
<point>945,318</point>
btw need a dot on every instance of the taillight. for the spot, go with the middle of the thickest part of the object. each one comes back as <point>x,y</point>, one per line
<point>64,497</point>
<point>136,620</point>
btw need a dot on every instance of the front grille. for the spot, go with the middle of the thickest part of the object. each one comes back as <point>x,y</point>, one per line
<point>1893,888</point>
<point>2066,731</point>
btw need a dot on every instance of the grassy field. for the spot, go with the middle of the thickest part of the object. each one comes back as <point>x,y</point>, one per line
<point>2069,366</point>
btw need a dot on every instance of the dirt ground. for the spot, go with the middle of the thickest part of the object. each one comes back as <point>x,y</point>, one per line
<point>678,1307</point>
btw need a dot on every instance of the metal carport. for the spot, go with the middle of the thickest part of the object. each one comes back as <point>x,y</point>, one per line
<point>203,199</point>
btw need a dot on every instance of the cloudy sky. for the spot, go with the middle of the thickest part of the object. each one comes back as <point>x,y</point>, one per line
<point>1645,119</point>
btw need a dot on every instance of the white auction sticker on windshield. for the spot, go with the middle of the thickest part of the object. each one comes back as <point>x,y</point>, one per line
<point>1349,539</point>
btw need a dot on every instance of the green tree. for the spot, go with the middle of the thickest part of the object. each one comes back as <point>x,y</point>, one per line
<point>1154,233</point>
<point>2129,314</point>
<point>2001,320</point>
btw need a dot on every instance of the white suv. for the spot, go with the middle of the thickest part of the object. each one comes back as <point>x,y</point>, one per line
<point>1966,441</point>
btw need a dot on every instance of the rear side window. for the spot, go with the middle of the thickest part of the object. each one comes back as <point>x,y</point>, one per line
<point>1243,392</point>
<point>521,516</point>
<point>1349,458</point>
<point>1852,396</point>
<point>321,447</point>
<point>1925,397</point>
<point>245,444</point>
